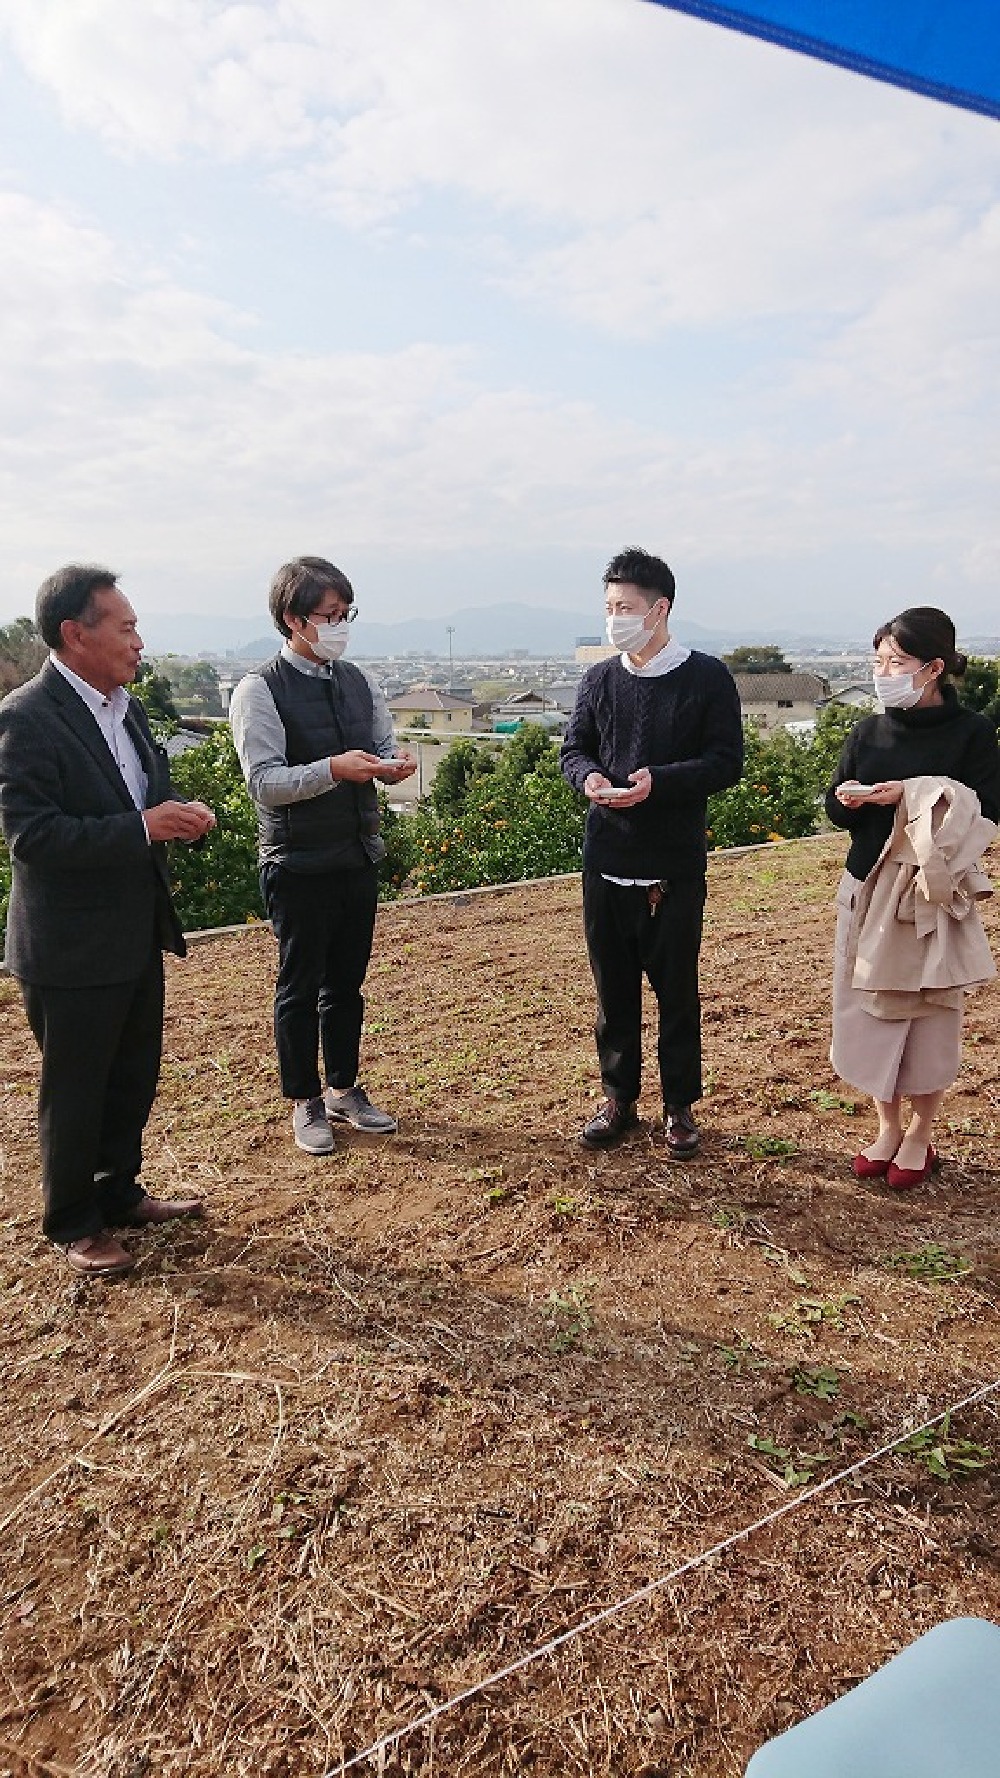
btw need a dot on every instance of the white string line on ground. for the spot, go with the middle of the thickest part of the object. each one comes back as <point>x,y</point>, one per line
<point>383,1745</point>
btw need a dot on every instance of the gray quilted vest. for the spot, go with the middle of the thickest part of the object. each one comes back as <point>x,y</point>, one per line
<point>322,714</point>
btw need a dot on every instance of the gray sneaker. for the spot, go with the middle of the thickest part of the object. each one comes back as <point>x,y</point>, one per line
<point>310,1127</point>
<point>355,1107</point>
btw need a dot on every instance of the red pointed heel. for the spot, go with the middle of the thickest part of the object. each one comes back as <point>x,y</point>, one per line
<point>863,1168</point>
<point>904,1178</point>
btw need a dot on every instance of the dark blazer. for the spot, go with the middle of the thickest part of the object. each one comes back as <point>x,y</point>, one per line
<point>90,895</point>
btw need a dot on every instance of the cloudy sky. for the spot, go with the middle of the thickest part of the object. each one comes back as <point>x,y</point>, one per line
<point>468,296</point>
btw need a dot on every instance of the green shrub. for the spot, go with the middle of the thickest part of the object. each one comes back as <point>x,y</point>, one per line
<point>153,690</point>
<point>833,726</point>
<point>777,797</point>
<point>520,820</point>
<point>979,687</point>
<point>464,762</point>
<point>400,850</point>
<point>216,884</point>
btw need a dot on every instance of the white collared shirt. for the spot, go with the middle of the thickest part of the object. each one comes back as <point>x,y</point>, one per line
<point>109,714</point>
<point>673,654</point>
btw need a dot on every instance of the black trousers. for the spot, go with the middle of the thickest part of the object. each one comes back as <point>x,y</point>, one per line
<point>101,1052</point>
<point>324,926</point>
<point>626,941</point>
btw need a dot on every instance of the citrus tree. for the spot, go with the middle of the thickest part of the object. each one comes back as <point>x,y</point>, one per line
<point>520,820</point>
<point>979,687</point>
<point>777,797</point>
<point>216,884</point>
<point>833,726</point>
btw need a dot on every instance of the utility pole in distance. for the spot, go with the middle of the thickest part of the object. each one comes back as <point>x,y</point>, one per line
<point>451,663</point>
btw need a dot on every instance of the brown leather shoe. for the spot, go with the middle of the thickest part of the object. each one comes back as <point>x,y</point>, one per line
<point>97,1256</point>
<point>683,1134</point>
<point>610,1122</point>
<point>163,1210</point>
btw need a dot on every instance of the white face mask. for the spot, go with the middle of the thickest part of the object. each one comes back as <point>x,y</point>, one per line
<point>330,640</point>
<point>896,691</point>
<point>628,632</point>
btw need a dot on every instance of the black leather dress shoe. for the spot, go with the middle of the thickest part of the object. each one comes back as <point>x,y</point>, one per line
<point>610,1122</point>
<point>683,1134</point>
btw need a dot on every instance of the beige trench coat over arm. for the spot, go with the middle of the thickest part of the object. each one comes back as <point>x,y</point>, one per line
<point>920,940</point>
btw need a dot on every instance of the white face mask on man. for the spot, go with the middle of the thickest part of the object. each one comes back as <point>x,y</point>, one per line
<point>330,640</point>
<point>628,631</point>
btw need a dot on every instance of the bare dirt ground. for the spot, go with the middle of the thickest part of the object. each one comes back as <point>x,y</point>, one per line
<point>385,1422</point>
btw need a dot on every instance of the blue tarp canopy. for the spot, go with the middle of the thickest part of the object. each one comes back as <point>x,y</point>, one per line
<point>948,49</point>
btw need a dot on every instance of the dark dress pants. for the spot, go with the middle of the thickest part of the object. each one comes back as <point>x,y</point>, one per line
<point>101,1052</point>
<point>324,925</point>
<point>626,941</point>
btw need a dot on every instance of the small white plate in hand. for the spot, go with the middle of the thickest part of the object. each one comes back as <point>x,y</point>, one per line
<point>611,794</point>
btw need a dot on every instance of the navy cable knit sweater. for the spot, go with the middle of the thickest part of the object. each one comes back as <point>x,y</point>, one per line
<point>687,728</point>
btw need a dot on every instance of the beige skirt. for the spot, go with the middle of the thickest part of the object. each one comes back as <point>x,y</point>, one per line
<point>887,1058</point>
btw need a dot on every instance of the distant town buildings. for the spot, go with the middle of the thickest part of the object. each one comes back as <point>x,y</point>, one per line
<point>861,696</point>
<point>592,648</point>
<point>425,706</point>
<point>430,709</point>
<point>419,694</point>
<point>528,706</point>
<point>772,700</point>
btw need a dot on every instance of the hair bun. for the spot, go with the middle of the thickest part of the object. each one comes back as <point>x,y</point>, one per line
<point>959,664</point>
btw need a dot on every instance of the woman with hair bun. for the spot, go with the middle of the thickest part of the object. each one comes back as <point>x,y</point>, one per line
<point>919,732</point>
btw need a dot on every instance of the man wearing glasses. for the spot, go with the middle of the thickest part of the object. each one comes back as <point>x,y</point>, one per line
<point>314,736</point>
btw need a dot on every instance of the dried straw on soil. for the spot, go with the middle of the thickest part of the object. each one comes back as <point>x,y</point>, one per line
<point>386,1422</point>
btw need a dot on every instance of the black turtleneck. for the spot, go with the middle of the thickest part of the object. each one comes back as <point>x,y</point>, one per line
<point>937,740</point>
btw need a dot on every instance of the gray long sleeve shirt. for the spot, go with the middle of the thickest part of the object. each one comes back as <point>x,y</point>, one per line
<point>259,738</point>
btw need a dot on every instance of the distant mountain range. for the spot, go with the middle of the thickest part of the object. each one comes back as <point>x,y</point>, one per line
<point>477,631</point>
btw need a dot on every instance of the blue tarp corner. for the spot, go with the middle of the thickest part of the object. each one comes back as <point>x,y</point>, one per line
<point>945,49</point>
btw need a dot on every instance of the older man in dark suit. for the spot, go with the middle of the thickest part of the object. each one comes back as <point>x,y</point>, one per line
<point>87,804</point>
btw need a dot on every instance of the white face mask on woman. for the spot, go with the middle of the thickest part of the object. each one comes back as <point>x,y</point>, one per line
<point>897,691</point>
<point>330,639</point>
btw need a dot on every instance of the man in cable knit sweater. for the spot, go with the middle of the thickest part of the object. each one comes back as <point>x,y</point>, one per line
<point>656,730</point>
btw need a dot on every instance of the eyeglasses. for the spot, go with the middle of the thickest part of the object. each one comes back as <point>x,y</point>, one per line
<point>330,617</point>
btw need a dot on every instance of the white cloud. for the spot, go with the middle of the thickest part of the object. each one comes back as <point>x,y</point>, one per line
<point>927,342</point>
<point>169,76</point>
<point>623,166</point>
<point>671,172</point>
<point>138,425</point>
<point>132,416</point>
